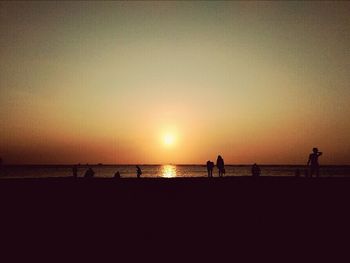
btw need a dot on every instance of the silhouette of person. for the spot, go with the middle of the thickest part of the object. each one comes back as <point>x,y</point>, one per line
<point>256,170</point>
<point>117,175</point>
<point>210,166</point>
<point>75,171</point>
<point>313,162</point>
<point>220,165</point>
<point>89,173</point>
<point>138,171</point>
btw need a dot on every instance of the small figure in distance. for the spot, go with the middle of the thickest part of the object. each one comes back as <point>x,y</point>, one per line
<point>297,172</point>
<point>75,171</point>
<point>89,173</point>
<point>210,166</point>
<point>138,171</point>
<point>220,165</point>
<point>313,162</point>
<point>117,175</point>
<point>256,170</point>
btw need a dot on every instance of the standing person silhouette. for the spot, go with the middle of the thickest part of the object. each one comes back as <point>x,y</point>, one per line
<point>75,171</point>
<point>313,162</point>
<point>220,165</point>
<point>138,171</point>
<point>210,166</point>
<point>256,170</point>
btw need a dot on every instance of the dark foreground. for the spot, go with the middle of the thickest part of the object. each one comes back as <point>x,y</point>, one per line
<point>176,214</point>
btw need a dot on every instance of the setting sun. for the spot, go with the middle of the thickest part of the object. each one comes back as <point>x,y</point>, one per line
<point>168,139</point>
<point>157,82</point>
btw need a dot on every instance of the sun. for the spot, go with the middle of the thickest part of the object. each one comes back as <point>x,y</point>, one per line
<point>168,139</point>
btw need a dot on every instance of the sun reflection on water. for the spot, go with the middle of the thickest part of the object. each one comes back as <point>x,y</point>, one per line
<point>168,171</point>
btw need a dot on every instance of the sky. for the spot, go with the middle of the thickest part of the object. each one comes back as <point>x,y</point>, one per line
<point>174,82</point>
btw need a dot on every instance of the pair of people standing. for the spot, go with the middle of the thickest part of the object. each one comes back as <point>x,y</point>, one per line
<point>219,164</point>
<point>88,174</point>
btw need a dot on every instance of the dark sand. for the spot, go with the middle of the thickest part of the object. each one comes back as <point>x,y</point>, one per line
<point>177,214</point>
<point>185,201</point>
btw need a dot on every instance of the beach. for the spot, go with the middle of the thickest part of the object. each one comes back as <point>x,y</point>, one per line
<point>153,200</point>
<point>174,217</point>
<point>164,129</point>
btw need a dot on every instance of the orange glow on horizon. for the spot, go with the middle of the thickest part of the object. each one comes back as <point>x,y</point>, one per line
<point>174,82</point>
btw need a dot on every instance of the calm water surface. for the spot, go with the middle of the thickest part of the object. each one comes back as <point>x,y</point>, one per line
<point>167,171</point>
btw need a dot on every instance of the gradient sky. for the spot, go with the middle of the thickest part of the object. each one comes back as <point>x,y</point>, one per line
<point>105,81</point>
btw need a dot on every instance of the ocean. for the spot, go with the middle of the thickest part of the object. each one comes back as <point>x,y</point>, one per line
<point>166,171</point>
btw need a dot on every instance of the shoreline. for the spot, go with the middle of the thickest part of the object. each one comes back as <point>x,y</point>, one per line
<point>165,171</point>
<point>189,179</point>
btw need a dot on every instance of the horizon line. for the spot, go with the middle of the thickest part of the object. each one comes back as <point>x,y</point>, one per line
<point>159,164</point>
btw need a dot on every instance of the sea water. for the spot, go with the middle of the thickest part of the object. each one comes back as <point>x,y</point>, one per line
<point>166,171</point>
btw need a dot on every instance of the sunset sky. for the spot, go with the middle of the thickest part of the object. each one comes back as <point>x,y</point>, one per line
<point>174,82</point>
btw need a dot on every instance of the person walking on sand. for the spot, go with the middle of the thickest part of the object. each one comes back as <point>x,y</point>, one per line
<point>256,170</point>
<point>313,162</point>
<point>138,171</point>
<point>220,165</point>
<point>210,166</point>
